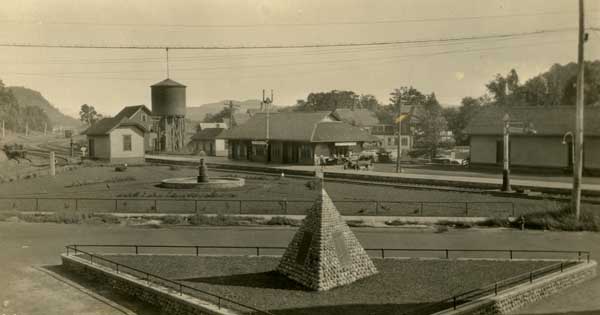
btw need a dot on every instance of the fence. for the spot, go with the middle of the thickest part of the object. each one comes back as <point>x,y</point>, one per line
<point>260,206</point>
<point>452,302</point>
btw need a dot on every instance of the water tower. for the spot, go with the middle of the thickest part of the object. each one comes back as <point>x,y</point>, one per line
<point>168,109</point>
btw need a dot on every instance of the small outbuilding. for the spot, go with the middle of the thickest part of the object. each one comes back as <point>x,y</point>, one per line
<point>142,115</point>
<point>116,140</point>
<point>205,140</point>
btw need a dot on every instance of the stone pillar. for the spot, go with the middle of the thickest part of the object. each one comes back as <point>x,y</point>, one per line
<point>202,172</point>
<point>52,164</point>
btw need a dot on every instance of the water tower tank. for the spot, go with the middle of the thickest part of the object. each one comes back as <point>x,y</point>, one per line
<point>168,98</point>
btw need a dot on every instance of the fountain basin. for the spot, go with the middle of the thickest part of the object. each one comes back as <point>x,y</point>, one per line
<point>192,183</point>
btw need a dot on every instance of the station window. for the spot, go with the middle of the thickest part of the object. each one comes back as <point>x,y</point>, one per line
<point>126,142</point>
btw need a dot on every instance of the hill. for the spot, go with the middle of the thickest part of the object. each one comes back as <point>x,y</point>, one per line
<point>28,97</point>
<point>197,113</point>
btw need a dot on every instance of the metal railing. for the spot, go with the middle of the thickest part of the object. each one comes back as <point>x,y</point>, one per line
<point>176,286</point>
<point>495,288</point>
<point>453,302</point>
<point>259,206</point>
<point>445,253</point>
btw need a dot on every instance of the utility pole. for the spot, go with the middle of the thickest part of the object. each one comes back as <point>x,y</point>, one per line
<point>230,114</point>
<point>578,143</point>
<point>506,155</point>
<point>399,138</point>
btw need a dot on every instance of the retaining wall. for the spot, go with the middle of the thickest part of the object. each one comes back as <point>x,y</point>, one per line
<point>168,301</point>
<point>524,294</point>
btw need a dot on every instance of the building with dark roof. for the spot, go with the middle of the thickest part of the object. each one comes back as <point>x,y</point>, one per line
<point>142,115</point>
<point>117,140</point>
<point>293,137</point>
<point>205,140</point>
<point>543,145</point>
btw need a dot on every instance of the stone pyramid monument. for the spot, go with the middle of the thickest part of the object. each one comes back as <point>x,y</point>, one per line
<point>324,253</point>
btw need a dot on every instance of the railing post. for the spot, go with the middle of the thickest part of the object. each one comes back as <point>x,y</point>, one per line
<point>285,206</point>
<point>588,257</point>
<point>561,267</point>
<point>376,207</point>
<point>67,250</point>
<point>136,249</point>
<point>454,301</point>
<point>466,209</point>
<point>257,251</point>
<point>76,204</point>
<point>578,256</point>
<point>156,205</point>
<point>496,288</point>
<point>382,253</point>
<point>513,209</point>
<point>37,207</point>
<point>196,206</point>
<point>196,250</point>
<point>75,248</point>
<point>511,254</point>
<point>117,268</point>
<point>180,289</point>
<point>219,302</point>
<point>421,209</point>
<point>447,254</point>
<point>116,204</point>
<point>531,277</point>
<point>240,205</point>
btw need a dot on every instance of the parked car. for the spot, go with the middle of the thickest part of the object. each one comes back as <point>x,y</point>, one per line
<point>358,162</point>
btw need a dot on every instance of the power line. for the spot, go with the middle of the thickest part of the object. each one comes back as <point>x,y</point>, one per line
<point>227,57</point>
<point>299,46</point>
<point>255,25</point>
<point>73,75</point>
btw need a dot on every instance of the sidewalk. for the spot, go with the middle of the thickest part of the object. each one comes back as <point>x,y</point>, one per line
<point>481,182</point>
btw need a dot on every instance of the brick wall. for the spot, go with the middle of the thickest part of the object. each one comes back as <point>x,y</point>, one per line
<point>169,302</point>
<point>524,294</point>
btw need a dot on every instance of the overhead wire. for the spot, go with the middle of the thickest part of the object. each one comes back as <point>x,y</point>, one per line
<point>284,46</point>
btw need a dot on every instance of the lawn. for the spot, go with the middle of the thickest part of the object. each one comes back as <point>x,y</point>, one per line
<point>401,285</point>
<point>140,183</point>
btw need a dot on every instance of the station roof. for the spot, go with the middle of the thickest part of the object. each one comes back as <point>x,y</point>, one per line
<point>295,126</point>
<point>104,126</point>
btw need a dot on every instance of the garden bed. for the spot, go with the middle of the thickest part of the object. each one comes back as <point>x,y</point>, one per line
<point>401,285</point>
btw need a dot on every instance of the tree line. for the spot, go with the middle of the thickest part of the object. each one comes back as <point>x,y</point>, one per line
<point>18,117</point>
<point>429,119</point>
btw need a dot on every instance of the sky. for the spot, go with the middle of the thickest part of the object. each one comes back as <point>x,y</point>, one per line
<point>110,79</point>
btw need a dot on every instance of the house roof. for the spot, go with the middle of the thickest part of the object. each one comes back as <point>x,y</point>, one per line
<point>129,111</point>
<point>358,117</point>
<point>294,126</point>
<point>168,82</point>
<point>338,131</point>
<point>545,120</point>
<point>106,125</point>
<point>207,134</point>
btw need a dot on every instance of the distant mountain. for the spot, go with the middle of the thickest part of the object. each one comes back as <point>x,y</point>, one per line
<point>29,97</point>
<point>197,113</point>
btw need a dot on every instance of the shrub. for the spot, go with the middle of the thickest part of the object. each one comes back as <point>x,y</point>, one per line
<point>222,220</point>
<point>356,223</point>
<point>494,222</point>
<point>278,220</point>
<point>312,184</point>
<point>174,168</point>
<point>174,219</point>
<point>4,215</point>
<point>563,220</point>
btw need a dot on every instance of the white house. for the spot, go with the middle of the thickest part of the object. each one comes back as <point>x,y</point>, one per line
<point>116,140</point>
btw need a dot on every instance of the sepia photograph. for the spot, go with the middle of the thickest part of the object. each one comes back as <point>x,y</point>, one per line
<point>296,157</point>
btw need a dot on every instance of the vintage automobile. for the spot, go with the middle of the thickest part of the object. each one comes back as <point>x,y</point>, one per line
<point>358,161</point>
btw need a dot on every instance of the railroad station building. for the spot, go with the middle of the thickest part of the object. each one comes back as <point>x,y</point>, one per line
<point>293,137</point>
<point>542,149</point>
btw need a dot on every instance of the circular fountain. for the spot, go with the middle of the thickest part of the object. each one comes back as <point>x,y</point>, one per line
<point>202,181</point>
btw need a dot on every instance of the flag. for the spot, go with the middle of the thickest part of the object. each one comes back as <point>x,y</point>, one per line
<point>401,117</point>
